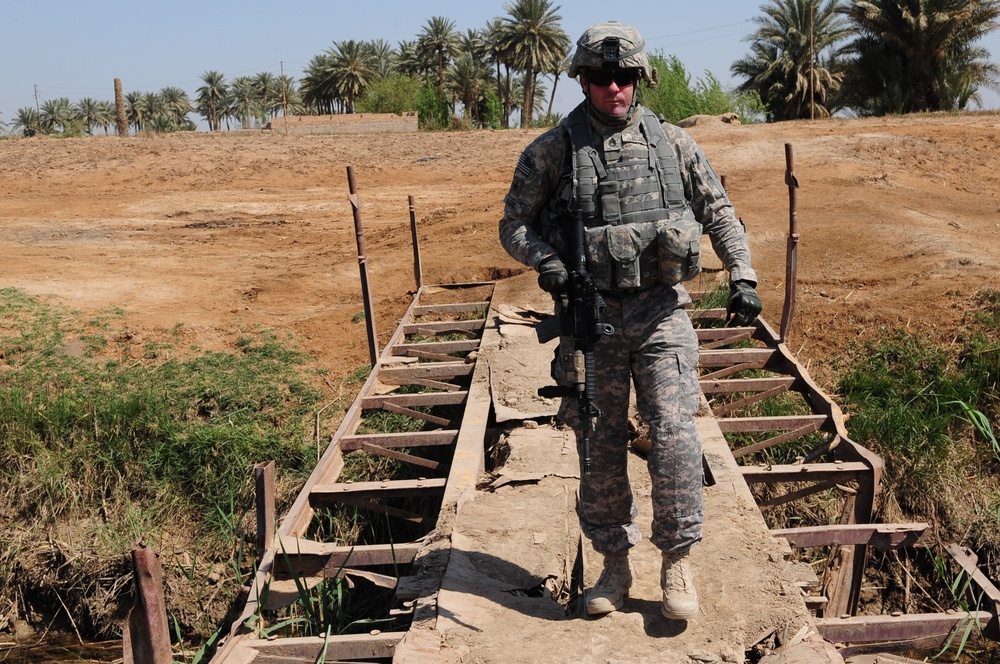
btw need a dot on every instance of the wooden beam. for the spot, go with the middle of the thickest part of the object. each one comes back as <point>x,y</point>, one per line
<point>725,409</point>
<point>401,375</point>
<point>400,456</point>
<point>883,536</point>
<point>438,347</point>
<point>827,472</point>
<point>325,494</point>
<point>458,308</point>
<point>419,399</point>
<point>920,629</point>
<point>721,358</point>
<point>307,650</point>
<point>434,328</point>
<point>774,423</point>
<point>416,414</point>
<point>410,439</point>
<point>728,386</point>
<point>776,440</point>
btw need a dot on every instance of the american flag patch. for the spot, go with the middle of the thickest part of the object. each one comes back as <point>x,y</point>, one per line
<point>522,167</point>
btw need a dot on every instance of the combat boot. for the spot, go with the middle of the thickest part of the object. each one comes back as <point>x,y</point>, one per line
<point>612,588</point>
<point>680,601</point>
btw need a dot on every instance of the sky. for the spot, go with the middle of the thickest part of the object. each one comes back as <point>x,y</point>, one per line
<point>64,48</point>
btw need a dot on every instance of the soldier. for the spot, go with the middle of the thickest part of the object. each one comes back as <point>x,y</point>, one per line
<point>646,194</point>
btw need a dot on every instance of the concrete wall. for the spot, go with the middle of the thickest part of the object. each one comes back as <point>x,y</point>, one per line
<point>348,123</point>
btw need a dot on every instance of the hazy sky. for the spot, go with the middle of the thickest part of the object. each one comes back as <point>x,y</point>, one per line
<point>74,49</point>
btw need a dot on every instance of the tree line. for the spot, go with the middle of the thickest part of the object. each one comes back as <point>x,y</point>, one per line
<point>807,58</point>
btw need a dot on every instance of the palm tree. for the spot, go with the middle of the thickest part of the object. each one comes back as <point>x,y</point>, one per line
<point>785,65</point>
<point>497,52</point>
<point>920,55</point>
<point>177,106</point>
<point>243,100</point>
<point>56,114</point>
<point>469,80</point>
<point>87,112</point>
<point>558,67</point>
<point>26,120</point>
<point>439,40</point>
<point>534,41</point>
<point>338,77</point>
<point>268,88</point>
<point>383,58</point>
<point>410,62</point>
<point>106,115</point>
<point>211,98</point>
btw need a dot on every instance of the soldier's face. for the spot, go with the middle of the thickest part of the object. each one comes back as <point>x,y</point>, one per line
<point>613,99</point>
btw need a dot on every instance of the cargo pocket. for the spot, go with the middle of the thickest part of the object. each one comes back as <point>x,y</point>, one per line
<point>678,245</point>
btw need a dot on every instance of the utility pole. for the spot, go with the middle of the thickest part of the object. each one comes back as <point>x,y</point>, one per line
<point>36,100</point>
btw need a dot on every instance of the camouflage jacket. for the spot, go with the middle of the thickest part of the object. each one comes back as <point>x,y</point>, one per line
<point>544,163</point>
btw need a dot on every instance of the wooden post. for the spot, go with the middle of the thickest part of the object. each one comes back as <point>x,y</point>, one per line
<point>791,268</point>
<point>147,633</point>
<point>418,271</point>
<point>264,479</point>
<point>363,266</point>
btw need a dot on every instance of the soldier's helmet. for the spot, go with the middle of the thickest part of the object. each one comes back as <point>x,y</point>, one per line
<point>612,45</point>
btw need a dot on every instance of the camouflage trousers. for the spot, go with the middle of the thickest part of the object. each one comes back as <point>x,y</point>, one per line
<point>655,345</point>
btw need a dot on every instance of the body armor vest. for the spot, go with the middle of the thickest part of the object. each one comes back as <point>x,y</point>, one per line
<point>639,227</point>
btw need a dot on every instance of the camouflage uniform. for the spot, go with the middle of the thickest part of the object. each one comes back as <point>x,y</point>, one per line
<point>654,342</point>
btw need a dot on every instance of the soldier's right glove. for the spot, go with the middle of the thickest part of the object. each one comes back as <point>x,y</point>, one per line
<point>552,275</point>
<point>744,305</point>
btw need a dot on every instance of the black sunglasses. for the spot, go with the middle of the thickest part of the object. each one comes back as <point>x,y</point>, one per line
<point>621,77</point>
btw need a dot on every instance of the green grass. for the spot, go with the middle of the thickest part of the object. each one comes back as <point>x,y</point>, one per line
<point>926,408</point>
<point>126,441</point>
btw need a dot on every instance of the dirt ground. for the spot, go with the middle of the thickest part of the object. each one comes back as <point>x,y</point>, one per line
<point>899,221</point>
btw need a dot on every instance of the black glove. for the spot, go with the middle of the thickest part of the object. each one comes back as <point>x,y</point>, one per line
<point>552,275</point>
<point>744,305</point>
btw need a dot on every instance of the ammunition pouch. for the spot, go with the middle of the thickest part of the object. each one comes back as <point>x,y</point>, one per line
<point>639,255</point>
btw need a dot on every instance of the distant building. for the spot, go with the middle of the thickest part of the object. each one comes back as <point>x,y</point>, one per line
<point>346,123</point>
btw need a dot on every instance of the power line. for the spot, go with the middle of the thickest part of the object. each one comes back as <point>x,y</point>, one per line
<point>691,32</point>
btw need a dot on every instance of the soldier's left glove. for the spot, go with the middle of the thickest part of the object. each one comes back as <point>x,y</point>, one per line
<point>744,305</point>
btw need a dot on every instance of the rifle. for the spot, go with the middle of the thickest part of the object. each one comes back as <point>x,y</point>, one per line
<point>581,317</point>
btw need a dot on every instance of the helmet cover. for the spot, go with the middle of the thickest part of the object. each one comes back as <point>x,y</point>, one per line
<point>612,45</point>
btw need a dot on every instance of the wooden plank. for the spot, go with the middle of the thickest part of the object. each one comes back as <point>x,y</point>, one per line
<point>775,440</point>
<point>798,494</point>
<point>726,357</point>
<point>419,399</point>
<point>434,328</point>
<point>400,456</point>
<point>424,382</point>
<point>895,629</point>
<point>428,355</point>
<point>416,414</point>
<point>732,370</point>
<point>827,472</point>
<point>457,308</point>
<point>727,341</point>
<point>410,439</point>
<point>401,375</point>
<point>728,386</point>
<point>379,508</point>
<point>438,347</point>
<point>337,647</point>
<point>718,333</point>
<point>775,423</point>
<point>362,555</point>
<point>725,409</point>
<point>883,536</point>
<point>324,494</point>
